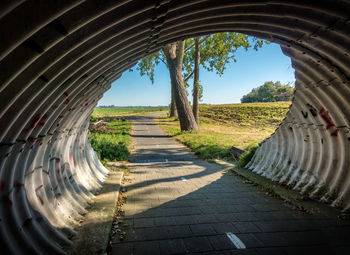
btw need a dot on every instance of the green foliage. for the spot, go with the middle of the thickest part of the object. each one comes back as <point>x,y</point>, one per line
<point>219,49</point>
<point>269,92</point>
<point>147,65</point>
<point>216,51</point>
<point>113,143</point>
<point>247,155</point>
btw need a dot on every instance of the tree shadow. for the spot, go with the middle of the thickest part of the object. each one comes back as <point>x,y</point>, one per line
<point>191,214</point>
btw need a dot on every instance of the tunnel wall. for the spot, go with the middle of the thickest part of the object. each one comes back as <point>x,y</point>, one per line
<point>57,58</point>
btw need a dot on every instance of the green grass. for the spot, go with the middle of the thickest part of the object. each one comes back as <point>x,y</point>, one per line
<point>247,114</point>
<point>247,155</point>
<point>112,142</point>
<point>114,112</point>
<point>224,126</point>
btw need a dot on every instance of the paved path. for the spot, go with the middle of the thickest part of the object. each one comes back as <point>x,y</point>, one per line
<point>178,204</point>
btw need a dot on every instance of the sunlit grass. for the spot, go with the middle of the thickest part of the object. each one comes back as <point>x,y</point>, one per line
<point>113,141</point>
<point>127,111</point>
<point>247,114</point>
<point>218,132</point>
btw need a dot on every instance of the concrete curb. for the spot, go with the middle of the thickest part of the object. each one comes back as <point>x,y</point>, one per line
<point>93,233</point>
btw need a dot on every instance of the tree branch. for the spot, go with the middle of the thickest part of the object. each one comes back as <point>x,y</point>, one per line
<point>205,38</point>
<point>163,61</point>
<point>189,76</point>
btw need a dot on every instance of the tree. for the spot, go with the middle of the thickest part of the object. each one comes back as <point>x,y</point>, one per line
<point>212,52</point>
<point>196,86</point>
<point>269,92</point>
<point>174,56</point>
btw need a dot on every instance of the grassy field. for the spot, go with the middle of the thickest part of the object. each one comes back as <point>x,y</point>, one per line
<point>224,126</point>
<point>116,112</point>
<point>247,114</point>
<point>110,138</point>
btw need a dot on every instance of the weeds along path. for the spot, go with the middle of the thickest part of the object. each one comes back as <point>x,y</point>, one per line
<point>178,204</point>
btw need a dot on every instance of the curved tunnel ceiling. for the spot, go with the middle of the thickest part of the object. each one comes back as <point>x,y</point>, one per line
<point>57,58</point>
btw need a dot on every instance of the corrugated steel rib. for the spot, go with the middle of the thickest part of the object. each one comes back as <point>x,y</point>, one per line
<point>57,58</point>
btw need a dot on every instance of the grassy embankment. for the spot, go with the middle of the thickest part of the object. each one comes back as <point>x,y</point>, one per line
<point>224,126</point>
<point>110,137</point>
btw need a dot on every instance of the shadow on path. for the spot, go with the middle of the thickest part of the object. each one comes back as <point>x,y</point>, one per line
<point>178,204</point>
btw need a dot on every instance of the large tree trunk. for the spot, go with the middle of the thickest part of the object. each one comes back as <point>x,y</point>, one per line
<point>174,54</point>
<point>196,80</point>
<point>173,109</point>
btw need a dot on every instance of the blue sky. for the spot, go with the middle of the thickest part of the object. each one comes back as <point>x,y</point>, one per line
<point>251,70</point>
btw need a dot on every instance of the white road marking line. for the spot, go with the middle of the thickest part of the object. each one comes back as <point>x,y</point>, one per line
<point>183,179</point>
<point>235,240</point>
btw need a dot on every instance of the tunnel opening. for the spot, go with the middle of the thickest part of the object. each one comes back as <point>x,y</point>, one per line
<point>60,57</point>
<point>234,125</point>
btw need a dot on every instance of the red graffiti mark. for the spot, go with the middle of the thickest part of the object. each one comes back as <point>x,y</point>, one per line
<point>330,124</point>
<point>58,171</point>
<point>57,160</point>
<point>86,104</point>
<point>37,121</point>
<point>83,151</point>
<point>42,121</point>
<point>325,116</point>
<point>2,185</point>
<point>67,101</point>
<point>17,185</point>
<point>99,98</point>
<point>60,117</point>
<point>33,123</point>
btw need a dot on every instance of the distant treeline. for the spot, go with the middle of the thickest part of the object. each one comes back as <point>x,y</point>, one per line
<point>269,92</point>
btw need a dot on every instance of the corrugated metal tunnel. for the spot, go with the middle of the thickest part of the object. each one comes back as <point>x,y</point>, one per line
<point>57,58</point>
